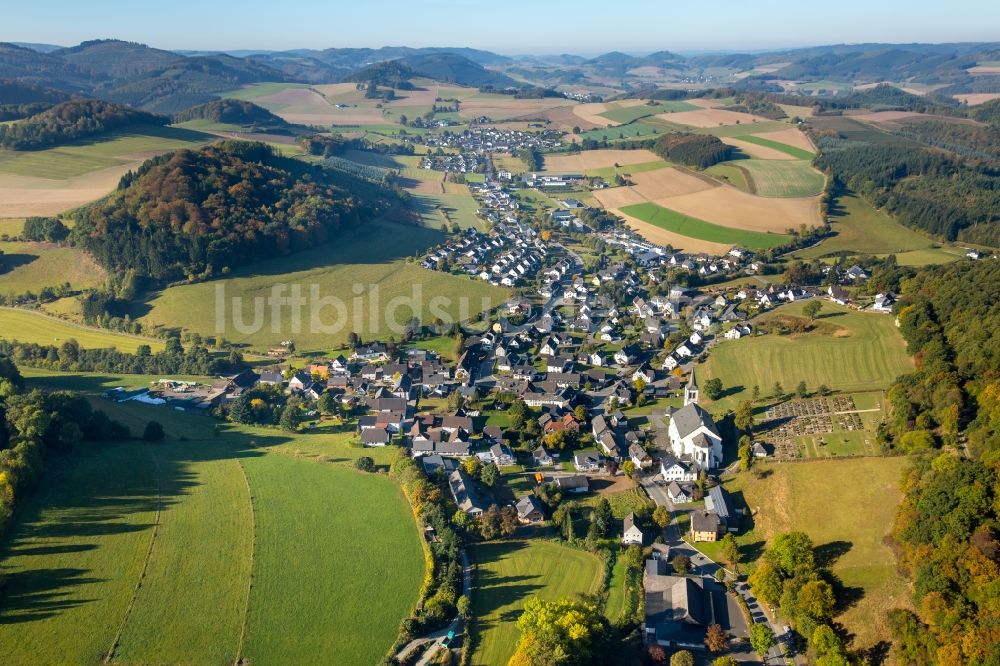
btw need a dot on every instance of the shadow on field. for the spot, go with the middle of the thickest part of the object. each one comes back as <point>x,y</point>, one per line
<point>61,546</point>
<point>15,260</point>
<point>496,590</point>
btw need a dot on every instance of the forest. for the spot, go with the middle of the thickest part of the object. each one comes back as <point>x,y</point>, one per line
<point>922,188</point>
<point>233,111</point>
<point>195,214</point>
<point>70,121</point>
<point>697,150</point>
<point>946,528</point>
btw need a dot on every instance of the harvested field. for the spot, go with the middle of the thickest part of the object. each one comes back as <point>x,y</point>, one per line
<point>984,70</point>
<point>669,182</point>
<point>336,89</point>
<point>885,116</point>
<point>565,118</point>
<point>616,197</point>
<point>661,236</point>
<point>597,159</point>
<point>24,196</point>
<point>706,103</point>
<point>974,99</point>
<point>693,227</point>
<point>416,97</point>
<point>710,118</point>
<point>294,97</point>
<point>730,207</point>
<point>503,107</point>
<point>592,114</point>
<point>753,150</point>
<point>791,137</point>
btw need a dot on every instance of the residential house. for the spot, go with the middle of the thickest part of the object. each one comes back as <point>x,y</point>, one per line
<point>631,534</point>
<point>465,495</point>
<point>639,457</point>
<point>530,509</point>
<point>541,457</point>
<point>679,494</point>
<point>587,460</point>
<point>501,455</point>
<point>679,609</point>
<point>577,483</point>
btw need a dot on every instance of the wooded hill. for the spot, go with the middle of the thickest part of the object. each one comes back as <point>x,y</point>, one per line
<point>194,214</point>
<point>235,112</point>
<point>70,121</point>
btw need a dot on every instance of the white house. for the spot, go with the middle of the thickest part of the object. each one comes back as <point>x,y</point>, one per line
<point>672,469</point>
<point>631,534</point>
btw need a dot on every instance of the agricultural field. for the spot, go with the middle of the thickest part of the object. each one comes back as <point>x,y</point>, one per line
<point>30,266</point>
<point>848,351</point>
<point>792,151</point>
<point>28,326</point>
<point>711,117</point>
<point>508,574</point>
<point>781,178</point>
<point>306,105</point>
<point>824,499</point>
<point>46,182</point>
<point>699,229</point>
<point>210,513</point>
<point>729,173</point>
<point>373,257</point>
<point>861,229</point>
<point>597,159</point>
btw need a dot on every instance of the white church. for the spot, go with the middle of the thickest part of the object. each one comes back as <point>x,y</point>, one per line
<point>693,435</point>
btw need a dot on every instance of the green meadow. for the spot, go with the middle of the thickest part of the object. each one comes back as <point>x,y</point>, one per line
<point>33,327</point>
<point>694,228</point>
<point>782,178</point>
<point>373,257</point>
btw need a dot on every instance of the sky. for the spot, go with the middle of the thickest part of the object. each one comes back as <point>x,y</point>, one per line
<point>583,27</point>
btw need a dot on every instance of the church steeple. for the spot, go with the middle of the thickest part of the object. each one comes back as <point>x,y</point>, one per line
<point>691,390</point>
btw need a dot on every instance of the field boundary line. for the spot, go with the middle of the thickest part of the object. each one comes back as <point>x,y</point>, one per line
<point>238,659</point>
<point>145,563</point>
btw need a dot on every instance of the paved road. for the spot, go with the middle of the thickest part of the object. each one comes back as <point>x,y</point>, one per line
<point>437,636</point>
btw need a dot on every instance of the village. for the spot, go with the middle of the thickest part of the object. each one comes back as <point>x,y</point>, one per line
<point>584,380</point>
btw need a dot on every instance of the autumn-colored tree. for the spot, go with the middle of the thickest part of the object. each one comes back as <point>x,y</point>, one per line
<point>661,516</point>
<point>761,638</point>
<point>682,658</point>
<point>716,639</point>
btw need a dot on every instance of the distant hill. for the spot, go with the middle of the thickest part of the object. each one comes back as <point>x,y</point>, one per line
<point>19,99</point>
<point>115,59</point>
<point>236,112</point>
<point>71,121</point>
<point>454,68</point>
<point>193,213</point>
<point>41,48</point>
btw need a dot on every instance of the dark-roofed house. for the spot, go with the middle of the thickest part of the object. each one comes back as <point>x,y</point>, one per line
<point>577,483</point>
<point>587,460</point>
<point>502,455</point>
<point>541,456</point>
<point>679,609</point>
<point>466,496</point>
<point>435,462</point>
<point>705,526</point>
<point>678,494</point>
<point>374,436</point>
<point>530,510</point>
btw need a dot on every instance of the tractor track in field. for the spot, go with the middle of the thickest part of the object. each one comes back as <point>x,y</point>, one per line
<point>239,659</point>
<point>110,655</point>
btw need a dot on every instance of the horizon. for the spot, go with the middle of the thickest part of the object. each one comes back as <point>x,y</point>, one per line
<point>521,29</point>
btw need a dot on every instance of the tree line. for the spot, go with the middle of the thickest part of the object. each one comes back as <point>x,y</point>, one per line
<point>70,121</point>
<point>35,426</point>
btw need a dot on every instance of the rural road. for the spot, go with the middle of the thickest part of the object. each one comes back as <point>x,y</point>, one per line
<point>436,637</point>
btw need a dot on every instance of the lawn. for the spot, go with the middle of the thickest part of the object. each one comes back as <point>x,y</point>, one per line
<point>782,178</point>
<point>27,326</point>
<point>848,351</point>
<point>739,131</point>
<point>692,227</point>
<point>365,270</point>
<point>31,266</point>
<point>191,518</point>
<point>508,574</point>
<point>825,499</point>
<point>103,151</point>
<point>797,153</point>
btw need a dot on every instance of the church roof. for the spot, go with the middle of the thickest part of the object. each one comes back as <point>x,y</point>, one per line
<point>690,417</point>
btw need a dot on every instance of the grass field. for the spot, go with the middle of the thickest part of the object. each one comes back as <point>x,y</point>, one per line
<point>695,228</point>
<point>848,351</point>
<point>730,172</point>
<point>797,153</point>
<point>31,266</point>
<point>190,520</point>
<point>825,499</point>
<point>12,226</point>
<point>27,326</point>
<point>104,151</point>
<point>782,178</point>
<point>372,257</point>
<point>860,229</point>
<point>508,574</point>
<point>740,131</point>
<point>628,114</point>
